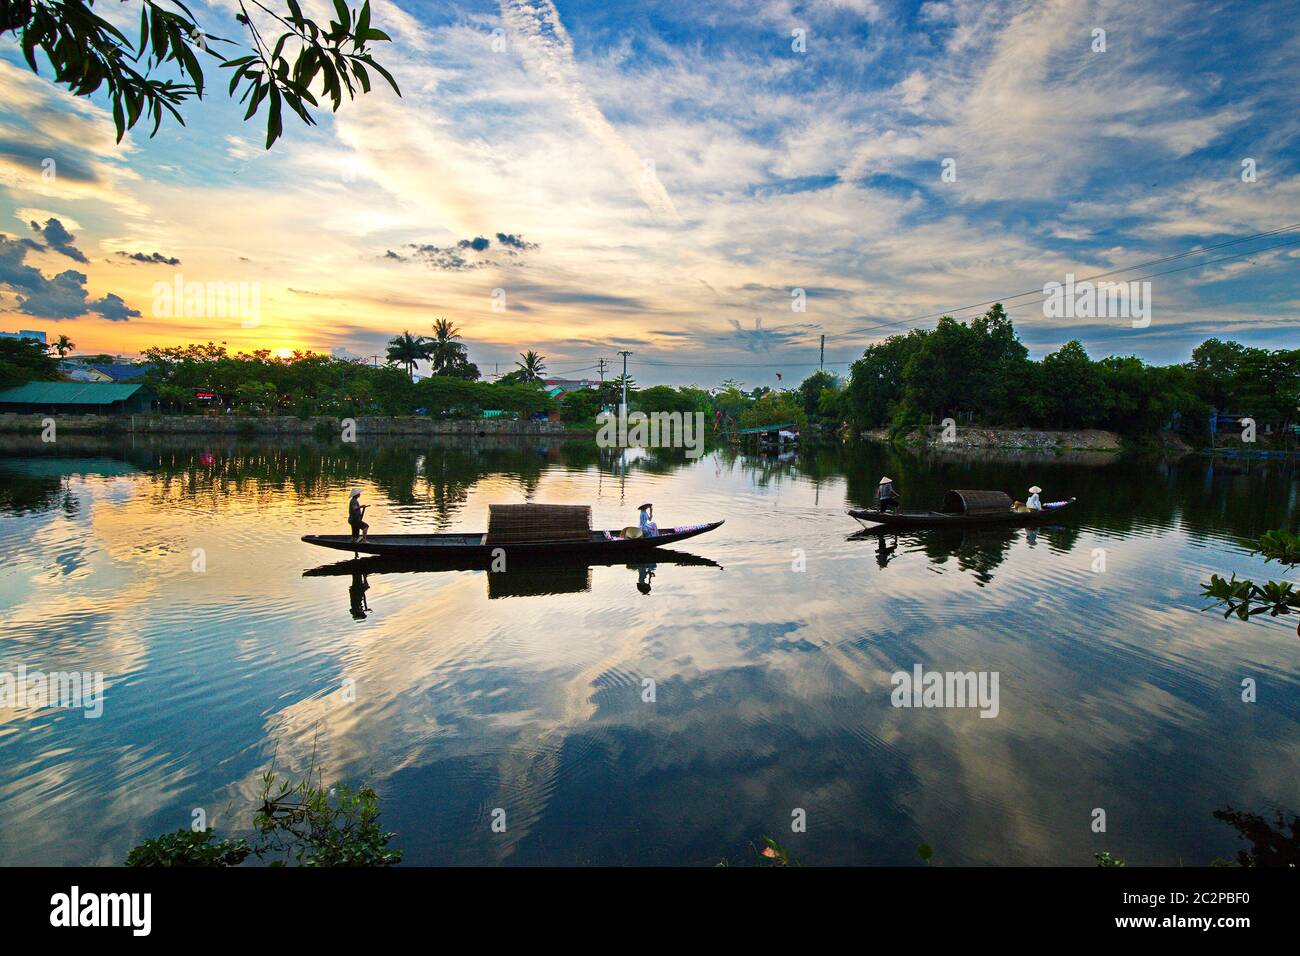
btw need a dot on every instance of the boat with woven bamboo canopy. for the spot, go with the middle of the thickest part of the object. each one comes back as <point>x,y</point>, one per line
<point>527,529</point>
<point>963,506</point>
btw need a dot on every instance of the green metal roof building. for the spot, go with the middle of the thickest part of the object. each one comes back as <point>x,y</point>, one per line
<point>76,398</point>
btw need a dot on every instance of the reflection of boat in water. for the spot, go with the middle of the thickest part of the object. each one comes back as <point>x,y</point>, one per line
<point>519,531</point>
<point>524,577</point>
<point>963,508</point>
<point>530,565</point>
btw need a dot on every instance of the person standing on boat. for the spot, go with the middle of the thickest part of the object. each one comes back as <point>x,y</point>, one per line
<point>648,527</point>
<point>1034,503</point>
<point>356,515</point>
<point>886,495</point>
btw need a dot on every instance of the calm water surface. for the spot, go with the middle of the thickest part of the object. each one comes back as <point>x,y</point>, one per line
<point>523,691</point>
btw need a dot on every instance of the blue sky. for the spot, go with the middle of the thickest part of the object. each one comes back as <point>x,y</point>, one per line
<point>663,175</point>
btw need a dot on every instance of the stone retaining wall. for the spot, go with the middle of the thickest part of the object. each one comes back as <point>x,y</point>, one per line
<point>277,425</point>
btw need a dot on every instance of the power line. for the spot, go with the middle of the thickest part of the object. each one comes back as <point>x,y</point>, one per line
<point>735,364</point>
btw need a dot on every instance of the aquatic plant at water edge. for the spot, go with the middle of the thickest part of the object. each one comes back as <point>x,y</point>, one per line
<point>1245,598</point>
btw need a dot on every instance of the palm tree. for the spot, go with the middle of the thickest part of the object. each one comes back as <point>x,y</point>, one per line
<point>407,349</point>
<point>445,352</point>
<point>63,345</point>
<point>532,366</point>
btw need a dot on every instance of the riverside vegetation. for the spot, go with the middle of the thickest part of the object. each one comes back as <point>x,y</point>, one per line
<point>977,373</point>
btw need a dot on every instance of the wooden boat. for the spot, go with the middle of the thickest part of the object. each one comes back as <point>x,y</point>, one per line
<point>963,507</point>
<point>518,530</point>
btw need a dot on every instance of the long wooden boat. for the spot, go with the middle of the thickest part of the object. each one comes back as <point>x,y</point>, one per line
<point>963,508</point>
<point>518,530</point>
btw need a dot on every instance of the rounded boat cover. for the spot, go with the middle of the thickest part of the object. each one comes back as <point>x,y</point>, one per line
<point>970,502</point>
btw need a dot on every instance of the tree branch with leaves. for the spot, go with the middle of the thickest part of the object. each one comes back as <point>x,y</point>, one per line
<point>294,63</point>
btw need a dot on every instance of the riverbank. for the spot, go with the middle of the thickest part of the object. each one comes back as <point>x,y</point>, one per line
<point>1024,439</point>
<point>288,425</point>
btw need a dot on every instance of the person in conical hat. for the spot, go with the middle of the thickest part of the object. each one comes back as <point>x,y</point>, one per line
<point>357,514</point>
<point>886,495</point>
<point>1034,503</point>
<point>648,527</point>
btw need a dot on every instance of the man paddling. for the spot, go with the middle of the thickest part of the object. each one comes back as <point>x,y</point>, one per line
<point>886,495</point>
<point>356,515</point>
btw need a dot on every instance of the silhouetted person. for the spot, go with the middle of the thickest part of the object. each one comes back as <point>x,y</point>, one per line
<point>886,495</point>
<point>356,516</point>
<point>644,575</point>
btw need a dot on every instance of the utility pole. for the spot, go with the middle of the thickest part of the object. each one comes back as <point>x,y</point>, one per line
<point>600,392</point>
<point>622,410</point>
<point>821,359</point>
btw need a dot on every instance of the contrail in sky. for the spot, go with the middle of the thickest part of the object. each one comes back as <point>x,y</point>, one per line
<point>543,42</point>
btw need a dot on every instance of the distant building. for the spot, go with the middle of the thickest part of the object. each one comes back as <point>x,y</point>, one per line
<point>76,372</point>
<point>76,398</point>
<point>122,371</point>
<point>558,386</point>
<point>25,334</point>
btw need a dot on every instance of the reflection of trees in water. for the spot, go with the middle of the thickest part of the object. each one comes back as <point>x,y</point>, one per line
<point>1269,845</point>
<point>1237,497</point>
<point>24,494</point>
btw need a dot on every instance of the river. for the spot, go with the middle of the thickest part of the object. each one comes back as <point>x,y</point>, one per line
<point>674,711</point>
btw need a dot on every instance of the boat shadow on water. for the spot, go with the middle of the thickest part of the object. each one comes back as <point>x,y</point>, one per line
<point>525,577</point>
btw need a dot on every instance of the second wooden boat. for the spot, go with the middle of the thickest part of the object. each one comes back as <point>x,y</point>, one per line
<point>962,507</point>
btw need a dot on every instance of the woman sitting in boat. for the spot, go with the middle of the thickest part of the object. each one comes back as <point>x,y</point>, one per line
<point>1034,503</point>
<point>648,527</point>
<point>886,495</point>
<point>357,514</point>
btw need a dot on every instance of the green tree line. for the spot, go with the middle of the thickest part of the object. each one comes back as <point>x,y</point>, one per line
<point>980,372</point>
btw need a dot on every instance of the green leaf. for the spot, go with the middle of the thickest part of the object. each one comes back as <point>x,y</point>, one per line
<point>370,62</point>
<point>119,120</point>
<point>274,123</point>
<point>258,96</point>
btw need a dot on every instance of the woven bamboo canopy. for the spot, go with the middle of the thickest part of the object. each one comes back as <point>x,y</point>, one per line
<point>965,502</point>
<point>528,524</point>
